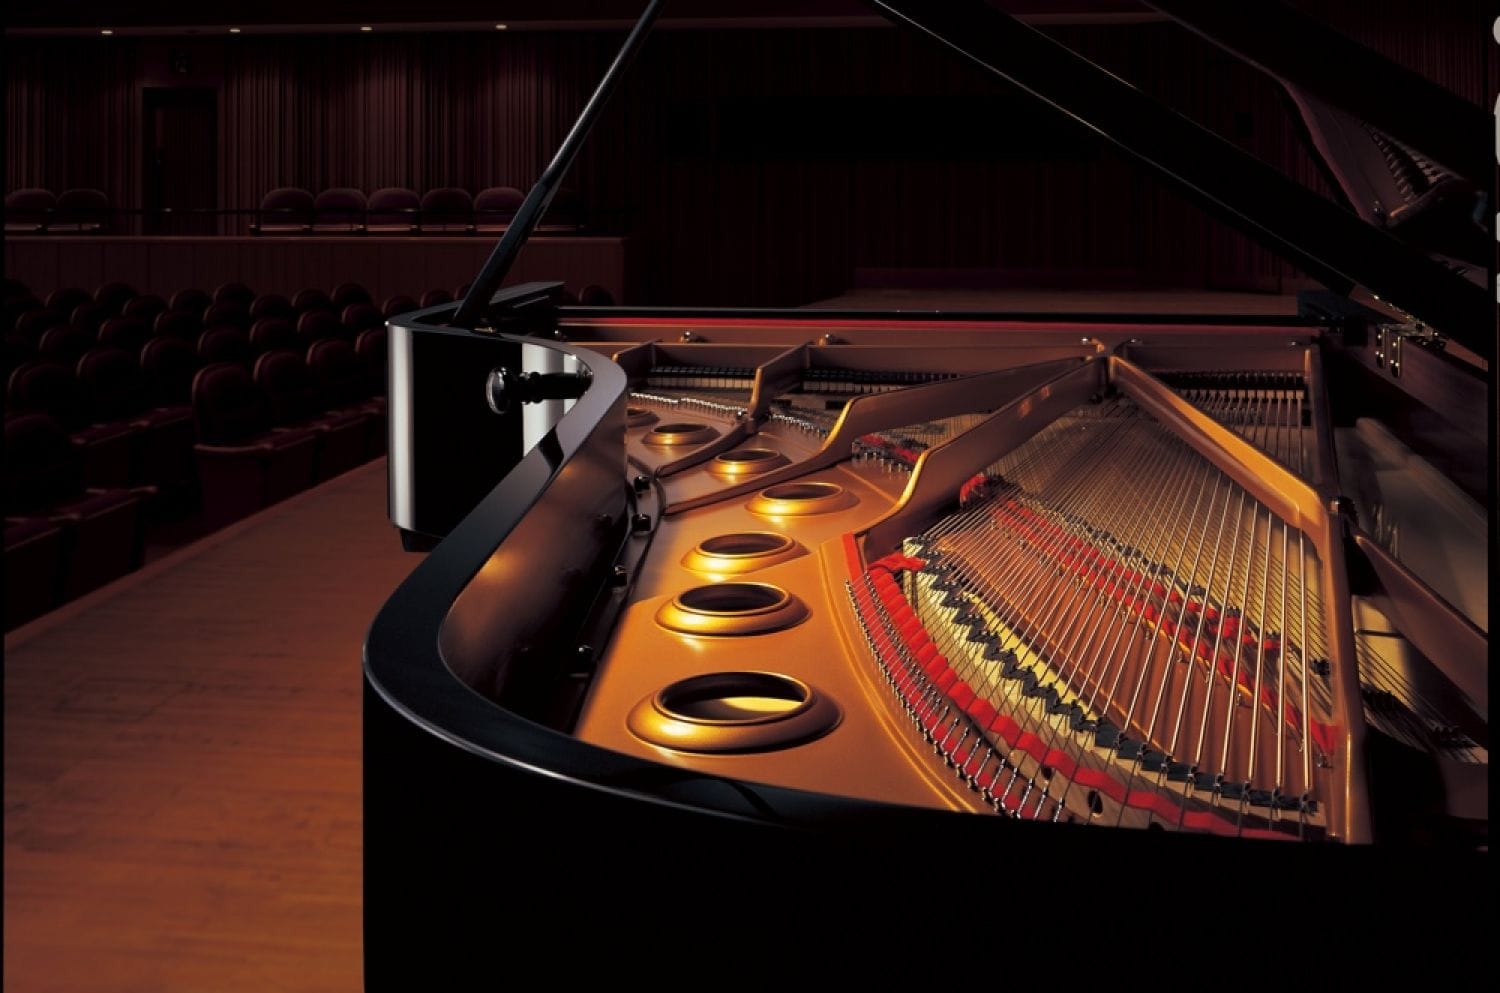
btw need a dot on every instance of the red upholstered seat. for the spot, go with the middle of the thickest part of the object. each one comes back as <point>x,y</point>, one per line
<point>64,344</point>
<point>284,210</point>
<point>392,210</point>
<point>177,324</point>
<point>125,333</point>
<point>114,296</point>
<point>29,210</point>
<point>311,299</point>
<point>227,315</point>
<point>243,464</point>
<point>340,210</point>
<point>446,210</point>
<point>272,305</point>
<point>359,317</point>
<point>271,333</point>
<point>81,211</point>
<point>224,345</point>
<point>143,308</point>
<point>194,301</point>
<point>347,294</point>
<point>234,292</point>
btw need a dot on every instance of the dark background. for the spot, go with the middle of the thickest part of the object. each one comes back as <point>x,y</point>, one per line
<point>752,165</point>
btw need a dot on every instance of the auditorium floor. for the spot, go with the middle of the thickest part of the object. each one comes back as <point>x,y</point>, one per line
<point>182,761</point>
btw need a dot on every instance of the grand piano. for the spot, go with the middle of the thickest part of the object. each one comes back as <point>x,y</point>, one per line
<point>1093,613</point>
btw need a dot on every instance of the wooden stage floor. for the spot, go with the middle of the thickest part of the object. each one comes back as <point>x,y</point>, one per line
<point>182,761</point>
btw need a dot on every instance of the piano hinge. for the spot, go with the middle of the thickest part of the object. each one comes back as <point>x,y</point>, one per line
<point>1391,339</point>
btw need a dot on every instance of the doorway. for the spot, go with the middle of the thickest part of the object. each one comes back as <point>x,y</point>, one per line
<point>181,168</point>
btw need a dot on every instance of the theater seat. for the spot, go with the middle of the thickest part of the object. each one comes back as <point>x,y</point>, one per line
<point>596,296</point>
<point>65,298</point>
<point>392,210</point>
<point>433,298</point>
<point>344,385</point>
<point>271,333</point>
<point>227,315</point>
<point>114,395</point>
<point>339,211</point>
<point>243,465</point>
<point>447,210</point>
<point>90,317</point>
<point>194,301</point>
<point>144,308</point>
<point>371,351</point>
<point>81,211</point>
<point>358,317</point>
<point>35,561</point>
<point>34,321</point>
<point>64,344</point>
<point>295,401</point>
<point>234,293</point>
<point>397,305</point>
<point>311,299</point>
<point>348,294</point>
<point>125,333</point>
<point>167,369</point>
<point>29,210</point>
<point>178,324</point>
<point>48,387</point>
<point>285,210</point>
<point>224,345</point>
<point>272,305</point>
<point>114,296</point>
<point>316,325</point>
<point>102,531</point>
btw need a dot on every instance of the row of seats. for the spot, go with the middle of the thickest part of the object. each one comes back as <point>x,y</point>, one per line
<point>33,210</point>
<point>397,210</point>
<point>293,210</point>
<point>95,447</point>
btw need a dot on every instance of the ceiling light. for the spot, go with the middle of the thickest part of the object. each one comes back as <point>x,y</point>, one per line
<point>366,27</point>
<point>501,27</point>
<point>234,30</point>
<point>106,31</point>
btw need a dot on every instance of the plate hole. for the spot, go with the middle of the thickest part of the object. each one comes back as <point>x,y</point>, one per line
<point>731,598</point>
<point>740,696</point>
<point>745,543</point>
<point>802,491</point>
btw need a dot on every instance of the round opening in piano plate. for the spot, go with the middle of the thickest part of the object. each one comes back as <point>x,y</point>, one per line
<point>800,499</point>
<point>746,462</point>
<point>741,551</point>
<point>733,712</point>
<point>682,433</point>
<point>731,609</point>
<point>637,417</point>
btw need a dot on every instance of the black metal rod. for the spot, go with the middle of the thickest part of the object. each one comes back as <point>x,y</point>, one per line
<point>529,214</point>
<point>1302,51</point>
<point>1321,238</point>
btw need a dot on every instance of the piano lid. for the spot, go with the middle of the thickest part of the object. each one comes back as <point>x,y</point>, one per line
<point>1322,238</point>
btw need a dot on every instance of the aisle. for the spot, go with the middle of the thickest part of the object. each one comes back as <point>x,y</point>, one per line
<point>182,761</point>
